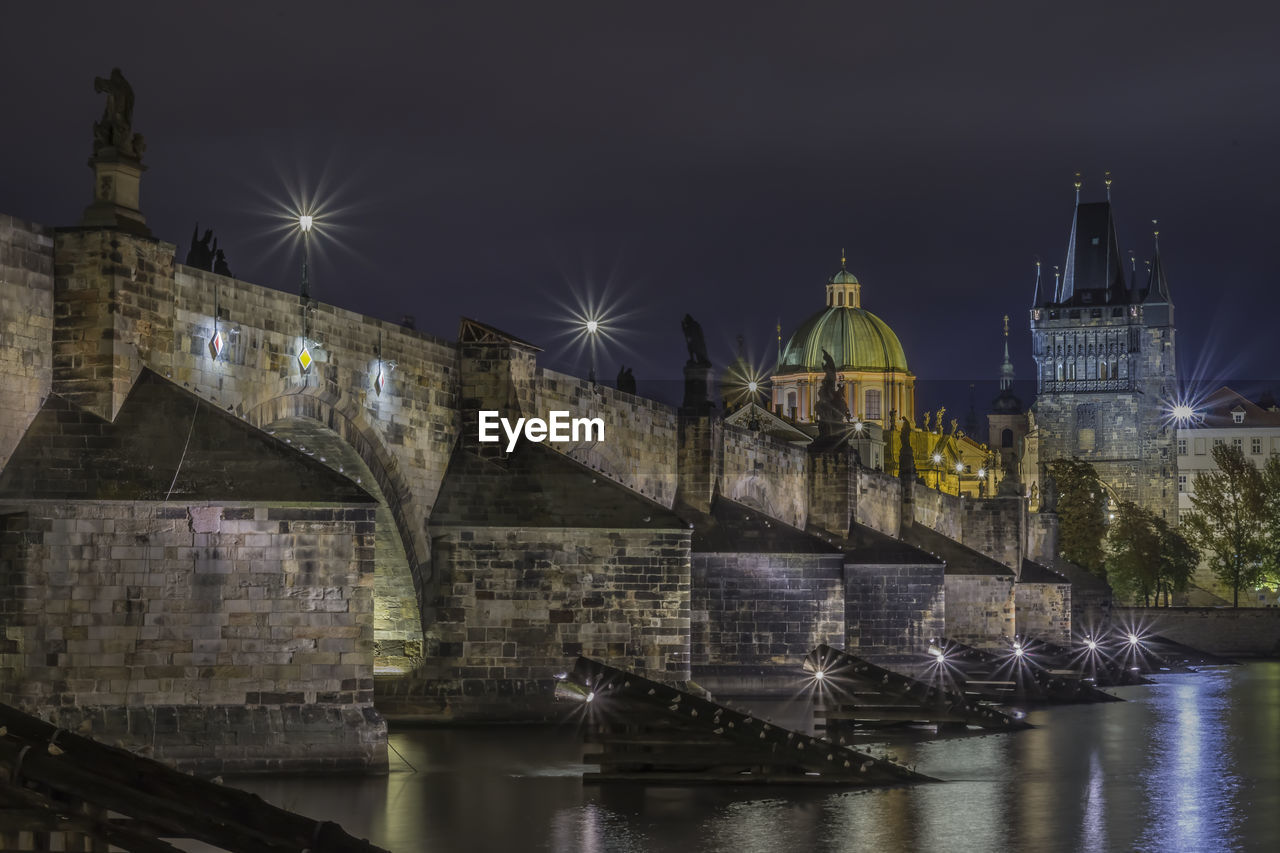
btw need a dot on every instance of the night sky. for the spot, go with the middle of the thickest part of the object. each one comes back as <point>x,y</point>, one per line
<point>490,159</point>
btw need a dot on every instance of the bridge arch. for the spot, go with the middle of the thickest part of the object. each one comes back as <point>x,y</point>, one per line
<point>305,415</point>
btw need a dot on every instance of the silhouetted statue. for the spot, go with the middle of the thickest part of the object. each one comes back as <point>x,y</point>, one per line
<point>906,462</point>
<point>831,410</point>
<point>1009,483</point>
<point>694,340</point>
<point>220,264</point>
<point>1049,492</point>
<point>115,129</point>
<point>200,255</point>
<point>626,380</point>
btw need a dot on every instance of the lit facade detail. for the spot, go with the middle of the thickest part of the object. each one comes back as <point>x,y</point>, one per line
<point>304,358</point>
<point>870,362</point>
<point>217,344</point>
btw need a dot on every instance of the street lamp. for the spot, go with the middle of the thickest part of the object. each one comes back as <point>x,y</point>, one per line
<point>593,329</point>
<point>305,222</point>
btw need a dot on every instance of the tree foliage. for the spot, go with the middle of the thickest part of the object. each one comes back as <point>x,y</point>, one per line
<point>1228,519</point>
<point>1146,557</point>
<point>1271,522</point>
<point>1082,513</point>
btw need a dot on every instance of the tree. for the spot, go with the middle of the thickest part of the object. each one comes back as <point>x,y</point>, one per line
<point>1133,553</point>
<point>1271,521</point>
<point>1178,560</point>
<point>1227,519</point>
<point>1147,557</point>
<point>1082,513</point>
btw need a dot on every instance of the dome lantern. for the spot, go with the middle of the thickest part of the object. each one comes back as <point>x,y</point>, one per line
<point>843,289</point>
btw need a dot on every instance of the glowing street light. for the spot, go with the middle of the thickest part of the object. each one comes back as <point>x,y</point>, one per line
<point>819,675</point>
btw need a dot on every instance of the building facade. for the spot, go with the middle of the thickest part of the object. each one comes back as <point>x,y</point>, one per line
<point>1105,367</point>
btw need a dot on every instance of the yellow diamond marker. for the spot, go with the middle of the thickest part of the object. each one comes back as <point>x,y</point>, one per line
<point>305,359</point>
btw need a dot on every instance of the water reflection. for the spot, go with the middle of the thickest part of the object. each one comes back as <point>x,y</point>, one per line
<point>1192,763</point>
<point>1191,783</point>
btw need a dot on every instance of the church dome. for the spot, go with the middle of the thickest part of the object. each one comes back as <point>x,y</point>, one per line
<point>856,338</point>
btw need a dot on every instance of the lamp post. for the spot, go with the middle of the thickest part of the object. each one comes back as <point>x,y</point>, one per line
<point>304,223</point>
<point>593,329</point>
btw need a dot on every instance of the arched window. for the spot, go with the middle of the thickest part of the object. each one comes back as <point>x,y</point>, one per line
<point>840,299</point>
<point>1006,438</point>
<point>872,409</point>
<point>791,403</point>
<point>1061,376</point>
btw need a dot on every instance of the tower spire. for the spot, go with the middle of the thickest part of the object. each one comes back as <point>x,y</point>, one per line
<point>1157,285</point>
<point>1038,299</point>
<point>1079,183</point>
<point>1107,180</point>
<point>1006,367</point>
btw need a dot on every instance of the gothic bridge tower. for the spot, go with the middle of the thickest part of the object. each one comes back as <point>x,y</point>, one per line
<point>1104,353</point>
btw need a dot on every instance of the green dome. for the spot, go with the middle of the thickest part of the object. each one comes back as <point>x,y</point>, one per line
<point>843,277</point>
<point>856,339</point>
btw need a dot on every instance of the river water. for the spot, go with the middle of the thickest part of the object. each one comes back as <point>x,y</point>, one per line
<point>1191,763</point>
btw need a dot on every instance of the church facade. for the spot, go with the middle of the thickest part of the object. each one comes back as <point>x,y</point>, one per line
<point>869,360</point>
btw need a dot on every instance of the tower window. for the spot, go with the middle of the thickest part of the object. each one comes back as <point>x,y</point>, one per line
<point>873,404</point>
<point>840,299</point>
<point>1006,438</point>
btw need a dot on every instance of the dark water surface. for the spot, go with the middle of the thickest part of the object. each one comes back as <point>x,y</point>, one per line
<point>1189,764</point>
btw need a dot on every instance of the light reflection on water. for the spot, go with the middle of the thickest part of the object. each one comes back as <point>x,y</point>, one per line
<point>1192,763</point>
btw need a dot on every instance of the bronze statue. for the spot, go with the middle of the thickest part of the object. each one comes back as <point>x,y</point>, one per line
<point>694,340</point>
<point>220,264</point>
<point>831,410</point>
<point>626,381</point>
<point>200,255</point>
<point>114,133</point>
<point>927,415</point>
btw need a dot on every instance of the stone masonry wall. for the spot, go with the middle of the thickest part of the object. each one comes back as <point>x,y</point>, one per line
<point>995,527</point>
<point>939,511</point>
<point>832,492</point>
<point>640,449</point>
<point>518,604</point>
<point>760,609</point>
<point>1242,632</point>
<point>26,326</point>
<point>1044,611</point>
<point>1042,537</point>
<point>893,610</point>
<point>766,474</point>
<point>980,609</point>
<point>879,501</point>
<point>226,637</point>
<point>123,303</point>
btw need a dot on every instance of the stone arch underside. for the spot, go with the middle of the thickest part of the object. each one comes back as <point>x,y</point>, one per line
<point>316,427</point>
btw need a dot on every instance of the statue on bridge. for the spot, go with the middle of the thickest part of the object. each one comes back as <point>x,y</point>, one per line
<point>832,409</point>
<point>626,380</point>
<point>695,341</point>
<point>113,134</point>
<point>200,255</point>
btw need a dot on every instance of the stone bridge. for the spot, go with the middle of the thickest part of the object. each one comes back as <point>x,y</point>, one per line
<point>229,592</point>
